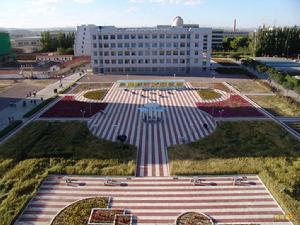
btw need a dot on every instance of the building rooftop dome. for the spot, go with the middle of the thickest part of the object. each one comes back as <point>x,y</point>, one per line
<point>177,22</point>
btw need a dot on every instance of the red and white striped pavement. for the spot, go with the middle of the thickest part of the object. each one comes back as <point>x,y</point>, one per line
<point>159,200</point>
<point>182,120</point>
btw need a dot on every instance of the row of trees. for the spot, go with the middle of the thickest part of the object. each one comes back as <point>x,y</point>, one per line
<point>277,41</point>
<point>237,44</point>
<point>63,43</point>
<point>286,80</point>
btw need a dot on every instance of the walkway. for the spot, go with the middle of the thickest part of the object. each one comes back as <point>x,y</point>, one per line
<point>182,121</point>
<point>159,200</point>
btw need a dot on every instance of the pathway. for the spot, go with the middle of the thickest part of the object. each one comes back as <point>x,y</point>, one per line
<point>182,121</point>
<point>159,200</point>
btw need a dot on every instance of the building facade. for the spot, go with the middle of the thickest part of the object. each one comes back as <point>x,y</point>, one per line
<point>83,40</point>
<point>219,34</point>
<point>166,49</point>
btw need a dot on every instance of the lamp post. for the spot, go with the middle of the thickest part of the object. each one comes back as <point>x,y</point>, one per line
<point>82,112</point>
<point>221,113</point>
<point>214,78</point>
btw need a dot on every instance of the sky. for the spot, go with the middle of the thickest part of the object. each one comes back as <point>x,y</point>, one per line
<point>131,13</point>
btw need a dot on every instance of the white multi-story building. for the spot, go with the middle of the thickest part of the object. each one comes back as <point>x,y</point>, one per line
<point>83,40</point>
<point>166,49</point>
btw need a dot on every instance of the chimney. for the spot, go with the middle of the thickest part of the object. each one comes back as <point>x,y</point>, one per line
<point>234,26</point>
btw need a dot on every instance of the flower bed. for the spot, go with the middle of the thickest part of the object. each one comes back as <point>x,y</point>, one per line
<point>235,106</point>
<point>123,220</point>
<point>208,94</point>
<point>193,218</point>
<point>103,216</point>
<point>67,107</point>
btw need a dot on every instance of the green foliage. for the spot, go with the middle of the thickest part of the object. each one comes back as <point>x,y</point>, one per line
<point>277,41</point>
<point>239,42</point>
<point>79,212</point>
<point>9,128</point>
<point>237,71</point>
<point>63,43</point>
<point>38,107</point>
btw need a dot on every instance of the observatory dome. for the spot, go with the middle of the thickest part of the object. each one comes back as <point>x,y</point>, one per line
<point>177,22</point>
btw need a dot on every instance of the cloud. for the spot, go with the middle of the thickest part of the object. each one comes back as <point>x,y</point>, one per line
<point>132,10</point>
<point>83,1</point>
<point>177,2</point>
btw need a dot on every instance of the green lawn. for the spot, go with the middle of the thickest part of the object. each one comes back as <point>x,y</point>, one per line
<point>208,94</point>
<point>251,86</point>
<point>84,87</point>
<point>95,95</point>
<point>278,105</point>
<point>43,148</point>
<point>251,147</point>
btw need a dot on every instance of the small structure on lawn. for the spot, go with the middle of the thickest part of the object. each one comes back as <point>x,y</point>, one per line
<point>152,112</point>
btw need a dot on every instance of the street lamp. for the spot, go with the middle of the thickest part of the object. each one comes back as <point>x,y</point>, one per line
<point>82,112</point>
<point>221,113</point>
<point>214,78</point>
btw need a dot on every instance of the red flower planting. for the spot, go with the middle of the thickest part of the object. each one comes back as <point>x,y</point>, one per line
<point>235,106</point>
<point>70,108</point>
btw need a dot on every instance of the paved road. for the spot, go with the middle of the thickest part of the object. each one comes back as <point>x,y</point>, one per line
<point>19,110</point>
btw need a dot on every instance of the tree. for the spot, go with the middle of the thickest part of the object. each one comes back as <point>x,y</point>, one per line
<point>239,42</point>
<point>46,41</point>
<point>226,43</point>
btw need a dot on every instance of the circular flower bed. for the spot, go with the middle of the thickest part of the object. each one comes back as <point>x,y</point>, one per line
<point>79,212</point>
<point>193,218</point>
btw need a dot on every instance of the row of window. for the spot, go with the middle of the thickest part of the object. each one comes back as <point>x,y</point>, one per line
<point>146,53</point>
<point>143,69</point>
<point>145,36</point>
<point>146,61</point>
<point>148,45</point>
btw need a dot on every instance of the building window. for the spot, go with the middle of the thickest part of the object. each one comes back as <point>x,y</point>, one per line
<point>127,53</point>
<point>105,37</point>
<point>95,45</point>
<point>161,45</point>
<point>127,61</point>
<point>154,36</point>
<point>101,53</point>
<point>119,36</point>
<point>126,36</point>
<point>94,37</point>
<point>169,45</point>
<point>161,36</point>
<point>95,61</point>
<point>147,53</point>
<point>100,37</point>
<point>140,61</point>
<point>120,53</point>
<point>120,45</point>
<point>133,36</point>
<point>106,61</point>
<point>147,45</point>
<point>133,53</point>
<point>141,45</point>
<point>196,45</point>
<point>196,52</point>
<point>133,61</point>
<point>161,52</point>
<point>154,52</point>
<point>197,36</point>
<point>95,53</point>
<point>113,53</point>
<point>147,61</point>
<point>196,60</point>
<point>113,45</point>
<point>100,45</point>
<point>147,36</point>
<point>175,45</point>
<point>188,36</point>
<point>106,53</point>
<point>106,45</point>
<point>175,36</point>
<point>112,37</point>
<point>182,45</point>
<point>182,61</point>
<point>169,53</point>
<point>133,45</point>
<point>168,36</point>
<point>161,61</point>
<point>175,52</point>
<point>140,36</point>
<point>154,61</point>
<point>113,61</point>
<point>182,36</point>
<point>154,45</point>
<point>126,45</point>
<point>140,53</point>
<point>182,52</point>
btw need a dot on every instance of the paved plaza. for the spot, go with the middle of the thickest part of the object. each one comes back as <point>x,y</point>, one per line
<point>182,122</point>
<point>159,200</point>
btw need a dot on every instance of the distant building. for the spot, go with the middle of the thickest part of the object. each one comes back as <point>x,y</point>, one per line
<point>166,49</point>
<point>28,44</point>
<point>53,58</point>
<point>83,40</point>
<point>219,34</point>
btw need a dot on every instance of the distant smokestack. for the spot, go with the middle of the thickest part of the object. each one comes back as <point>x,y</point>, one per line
<point>234,26</point>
